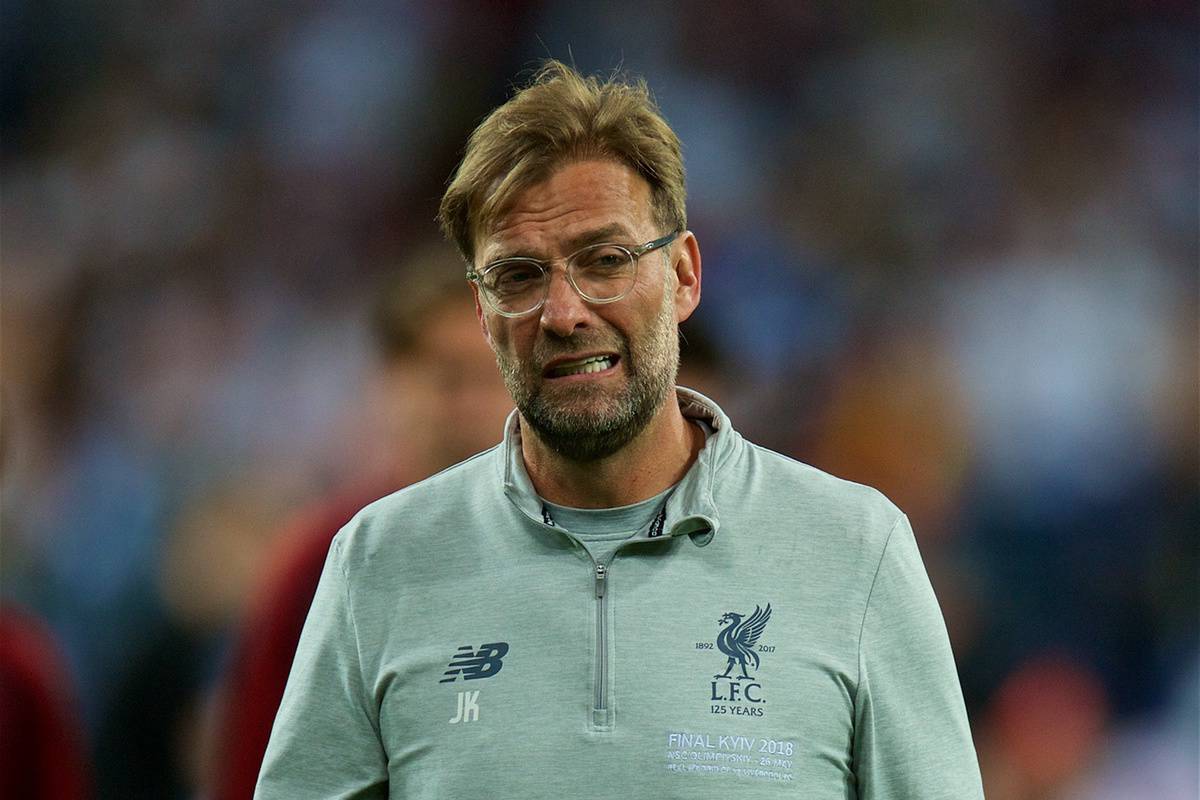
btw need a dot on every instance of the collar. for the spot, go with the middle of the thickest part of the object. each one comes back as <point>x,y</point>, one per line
<point>690,508</point>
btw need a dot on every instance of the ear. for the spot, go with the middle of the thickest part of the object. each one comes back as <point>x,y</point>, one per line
<point>479,315</point>
<point>687,276</point>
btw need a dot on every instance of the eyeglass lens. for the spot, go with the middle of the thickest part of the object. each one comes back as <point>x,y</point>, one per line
<point>600,272</point>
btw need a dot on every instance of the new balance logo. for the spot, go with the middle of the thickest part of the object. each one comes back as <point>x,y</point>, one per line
<point>473,664</point>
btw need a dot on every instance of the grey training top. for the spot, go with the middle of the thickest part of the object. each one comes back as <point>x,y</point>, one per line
<point>771,634</point>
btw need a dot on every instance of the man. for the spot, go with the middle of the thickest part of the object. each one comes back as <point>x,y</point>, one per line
<point>623,598</point>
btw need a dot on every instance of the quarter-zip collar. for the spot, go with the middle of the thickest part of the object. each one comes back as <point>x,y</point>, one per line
<point>690,508</point>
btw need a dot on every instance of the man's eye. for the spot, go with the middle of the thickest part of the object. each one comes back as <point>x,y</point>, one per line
<point>605,258</point>
<point>514,277</point>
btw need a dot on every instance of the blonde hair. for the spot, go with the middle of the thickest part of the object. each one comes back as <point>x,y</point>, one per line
<point>560,117</point>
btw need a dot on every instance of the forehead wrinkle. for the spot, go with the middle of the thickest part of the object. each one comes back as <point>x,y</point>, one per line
<point>609,198</point>
<point>613,233</point>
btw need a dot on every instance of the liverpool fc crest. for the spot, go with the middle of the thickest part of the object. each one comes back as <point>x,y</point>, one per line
<point>735,691</point>
<point>738,639</point>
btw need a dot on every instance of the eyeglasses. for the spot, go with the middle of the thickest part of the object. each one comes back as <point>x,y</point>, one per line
<point>600,273</point>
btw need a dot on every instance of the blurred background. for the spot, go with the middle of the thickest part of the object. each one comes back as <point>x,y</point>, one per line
<point>950,251</point>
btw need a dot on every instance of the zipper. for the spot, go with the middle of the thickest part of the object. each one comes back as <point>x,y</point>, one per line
<point>600,704</point>
<point>601,719</point>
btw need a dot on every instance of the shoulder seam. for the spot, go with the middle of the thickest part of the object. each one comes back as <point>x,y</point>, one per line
<point>870,593</point>
<point>784,456</point>
<point>462,463</point>
<point>416,485</point>
<point>362,677</point>
<point>804,465</point>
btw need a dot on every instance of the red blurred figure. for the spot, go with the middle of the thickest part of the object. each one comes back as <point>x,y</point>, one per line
<point>41,736</point>
<point>1043,729</point>
<point>263,655</point>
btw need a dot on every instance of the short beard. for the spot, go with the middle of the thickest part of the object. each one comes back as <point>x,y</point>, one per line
<point>651,367</point>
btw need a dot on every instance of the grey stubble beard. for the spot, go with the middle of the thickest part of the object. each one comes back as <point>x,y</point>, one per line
<point>590,434</point>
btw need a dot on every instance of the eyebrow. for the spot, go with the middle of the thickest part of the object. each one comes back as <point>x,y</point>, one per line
<point>613,232</point>
<point>598,235</point>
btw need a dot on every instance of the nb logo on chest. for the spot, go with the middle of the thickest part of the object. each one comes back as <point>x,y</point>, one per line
<point>474,664</point>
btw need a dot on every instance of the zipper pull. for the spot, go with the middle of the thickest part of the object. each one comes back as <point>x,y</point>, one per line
<point>601,574</point>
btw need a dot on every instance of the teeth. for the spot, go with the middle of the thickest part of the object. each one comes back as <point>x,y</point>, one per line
<point>587,365</point>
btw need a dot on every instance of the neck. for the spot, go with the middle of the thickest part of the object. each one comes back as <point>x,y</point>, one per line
<point>654,460</point>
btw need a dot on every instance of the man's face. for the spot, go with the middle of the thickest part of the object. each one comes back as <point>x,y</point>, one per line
<point>586,415</point>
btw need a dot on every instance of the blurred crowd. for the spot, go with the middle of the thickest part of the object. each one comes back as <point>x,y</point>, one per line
<point>950,250</point>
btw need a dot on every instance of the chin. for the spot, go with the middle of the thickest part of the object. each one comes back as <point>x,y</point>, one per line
<point>585,402</point>
<point>584,437</point>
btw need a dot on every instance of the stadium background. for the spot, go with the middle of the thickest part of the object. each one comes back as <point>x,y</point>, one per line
<point>950,250</point>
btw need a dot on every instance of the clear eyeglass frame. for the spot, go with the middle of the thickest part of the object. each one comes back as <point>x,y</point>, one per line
<point>633,253</point>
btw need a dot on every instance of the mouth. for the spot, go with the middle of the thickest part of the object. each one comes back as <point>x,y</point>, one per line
<point>586,365</point>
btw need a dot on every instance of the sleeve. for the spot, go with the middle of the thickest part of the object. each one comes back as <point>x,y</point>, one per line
<point>911,736</point>
<point>325,742</point>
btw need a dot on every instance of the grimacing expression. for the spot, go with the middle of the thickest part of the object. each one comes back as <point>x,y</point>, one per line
<point>586,377</point>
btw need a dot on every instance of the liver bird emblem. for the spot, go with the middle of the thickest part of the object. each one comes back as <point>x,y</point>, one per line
<point>738,638</point>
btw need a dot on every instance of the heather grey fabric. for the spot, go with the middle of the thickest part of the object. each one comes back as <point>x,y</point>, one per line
<point>773,635</point>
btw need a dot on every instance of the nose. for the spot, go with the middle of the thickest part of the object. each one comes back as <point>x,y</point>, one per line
<point>564,311</point>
